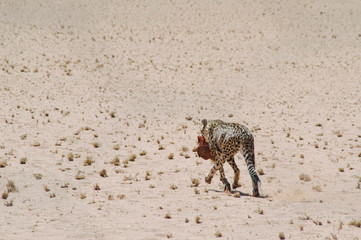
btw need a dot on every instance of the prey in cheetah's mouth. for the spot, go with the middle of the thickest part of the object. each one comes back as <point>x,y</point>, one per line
<point>203,149</point>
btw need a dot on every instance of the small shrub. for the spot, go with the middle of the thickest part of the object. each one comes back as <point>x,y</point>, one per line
<point>11,186</point>
<point>116,161</point>
<point>281,235</point>
<point>173,186</point>
<point>5,195</point>
<point>170,156</point>
<point>103,173</point>
<point>23,160</point>
<point>195,182</point>
<point>167,216</point>
<point>70,157</point>
<point>132,157</point>
<point>96,187</point>
<point>304,177</point>
<point>96,144</point>
<point>3,164</point>
<point>218,234</point>
<point>88,161</point>
<point>260,171</point>
<point>121,196</point>
<point>38,176</point>
<point>198,219</point>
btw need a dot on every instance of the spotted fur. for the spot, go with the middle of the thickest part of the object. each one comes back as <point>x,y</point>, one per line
<point>225,140</point>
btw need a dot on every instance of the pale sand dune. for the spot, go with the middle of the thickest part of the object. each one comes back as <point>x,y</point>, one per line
<point>137,78</point>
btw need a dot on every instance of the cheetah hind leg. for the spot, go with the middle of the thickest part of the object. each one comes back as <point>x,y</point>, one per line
<point>233,164</point>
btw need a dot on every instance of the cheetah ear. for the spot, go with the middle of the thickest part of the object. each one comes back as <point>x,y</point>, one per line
<point>204,122</point>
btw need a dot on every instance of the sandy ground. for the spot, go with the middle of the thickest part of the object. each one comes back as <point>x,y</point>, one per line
<point>95,82</point>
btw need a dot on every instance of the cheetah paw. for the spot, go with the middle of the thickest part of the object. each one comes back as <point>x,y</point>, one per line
<point>235,185</point>
<point>208,180</point>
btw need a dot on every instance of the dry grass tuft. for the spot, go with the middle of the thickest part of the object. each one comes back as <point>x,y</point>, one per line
<point>46,188</point>
<point>79,176</point>
<point>103,173</point>
<point>88,161</point>
<point>142,153</point>
<point>281,235</point>
<point>5,195</point>
<point>198,219</point>
<point>11,187</point>
<point>237,195</point>
<point>317,188</point>
<point>82,196</point>
<point>96,187</point>
<point>355,223</point>
<point>9,204</point>
<point>70,157</point>
<point>116,161</point>
<point>305,177</point>
<point>38,176</point>
<point>132,157</point>
<point>23,160</point>
<point>170,156</point>
<point>167,216</point>
<point>120,196</point>
<point>173,186</point>
<point>195,182</point>
<point>260,171</point>
<point>218,234</point>
<point>3,164</point>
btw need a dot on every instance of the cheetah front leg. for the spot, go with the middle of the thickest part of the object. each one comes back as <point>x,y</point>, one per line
<point>218,166</point>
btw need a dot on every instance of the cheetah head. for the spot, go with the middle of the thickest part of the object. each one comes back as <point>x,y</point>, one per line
<point>205,130</point>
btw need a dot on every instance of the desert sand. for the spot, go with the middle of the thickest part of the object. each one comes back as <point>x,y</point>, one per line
<point>101,103</point>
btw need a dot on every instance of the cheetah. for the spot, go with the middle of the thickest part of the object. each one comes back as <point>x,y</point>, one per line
<point>225,140</point>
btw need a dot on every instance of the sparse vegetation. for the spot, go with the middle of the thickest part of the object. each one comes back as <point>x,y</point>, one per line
<point>96,187</point>
<point>5,195</point>
<point>70,157</point>
<point>173,186</point>
<point>259,210</point>
<point>167,216</point>
<point>237,195</point>
<point>88,161</point>
<point>11,187</point>
<point>103,173</point>
<point>281,235</point>
<point>218,234</point>
<point>96,144</point>
<point>9,204</point>
<point>116,161</point>
<point>23,160</point>
<point>317,188</point>
<point>355,223</point>
<point>46,188</point>
<point>120,196</point>
<point>198,219</point>
<point>132,157</point>
<point>79,176</point>
<point>38,176</point>
<point>170,156</point>
<point>3,164</point>
<point>142,153</point>
<point>82,196</point>
<point>260,171</point>
<point>304,177</point>
<point>195,182</point>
